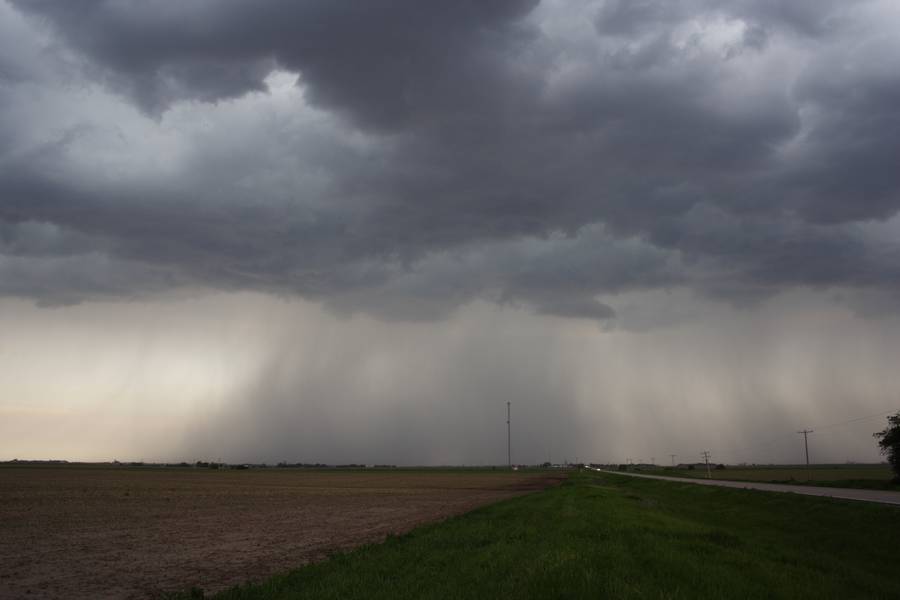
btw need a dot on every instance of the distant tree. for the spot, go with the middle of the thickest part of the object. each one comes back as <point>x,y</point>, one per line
<point>889,440</point>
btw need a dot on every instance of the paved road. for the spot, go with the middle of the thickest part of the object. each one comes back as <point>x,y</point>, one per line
<point>881,496</point>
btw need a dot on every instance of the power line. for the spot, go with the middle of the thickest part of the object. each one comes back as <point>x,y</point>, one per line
<point>705,454</point>
<point>867,417</point>
<point>783,437</point>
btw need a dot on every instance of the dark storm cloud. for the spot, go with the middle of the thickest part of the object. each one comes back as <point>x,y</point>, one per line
<point>805,17</point>
<point>384,61</point>
<point>526,153</point>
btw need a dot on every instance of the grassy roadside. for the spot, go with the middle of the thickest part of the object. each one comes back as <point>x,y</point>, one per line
<point>603,535</point>
<point>857,478</point>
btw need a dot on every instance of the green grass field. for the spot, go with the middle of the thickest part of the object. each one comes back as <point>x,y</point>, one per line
<point>607,536</point>
<point>876,477</point>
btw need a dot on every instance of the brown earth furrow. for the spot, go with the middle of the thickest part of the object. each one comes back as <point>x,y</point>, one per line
<point>88,532</point>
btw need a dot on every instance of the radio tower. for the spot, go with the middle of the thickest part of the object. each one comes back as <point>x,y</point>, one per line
<point>508,438</point>
<point>805,433</point>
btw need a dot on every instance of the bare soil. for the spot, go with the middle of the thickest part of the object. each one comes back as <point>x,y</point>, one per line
<point>104,532</point>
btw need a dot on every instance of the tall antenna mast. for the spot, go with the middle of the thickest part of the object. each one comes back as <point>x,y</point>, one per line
<point>805,433</point>
<point>508,439</point>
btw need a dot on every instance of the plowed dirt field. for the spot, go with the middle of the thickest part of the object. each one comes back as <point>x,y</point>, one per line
<point>91,532</point>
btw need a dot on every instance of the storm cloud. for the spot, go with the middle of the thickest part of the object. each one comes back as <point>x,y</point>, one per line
<point>595,161</point>
<point>345,151</point>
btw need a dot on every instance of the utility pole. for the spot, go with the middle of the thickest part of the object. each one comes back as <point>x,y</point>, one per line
<point>673,458</point>
<point>806,433</point>
<point>508,439</point>
<point>653,460</point>
<point>705,454</point>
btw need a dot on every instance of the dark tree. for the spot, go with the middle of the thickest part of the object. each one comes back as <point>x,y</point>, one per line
<point>889,440</point>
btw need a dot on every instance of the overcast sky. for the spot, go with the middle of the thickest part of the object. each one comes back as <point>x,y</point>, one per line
<point>352,231</point>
